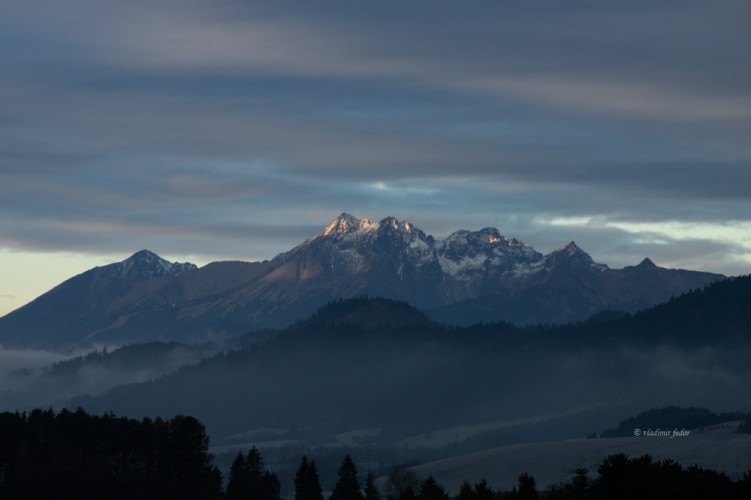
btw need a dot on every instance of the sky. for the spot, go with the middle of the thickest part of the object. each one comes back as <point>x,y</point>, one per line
<point>211,130</point>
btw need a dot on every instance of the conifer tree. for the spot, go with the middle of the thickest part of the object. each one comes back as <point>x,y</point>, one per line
<point>307,482</point>
<point>408,494</point>
<point>465,491</point>
<point>236,487</point>
<point>401,484</point>
<point>249,481</point>
<point>253,469</point>
<point>371,490</point>
<point>483,491</point>
<point>270,487</point>
<point>526,488</point>
<point>347,486</point>
<point>577,489</point>
<point>431,490</point>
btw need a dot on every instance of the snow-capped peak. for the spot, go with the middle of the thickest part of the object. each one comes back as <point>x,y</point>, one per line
<point>571,248</point>
<point>148,264</point>
<point>346,224</point>
<point>349,244</point>
<point>572,255</point>
<point>465,254</point>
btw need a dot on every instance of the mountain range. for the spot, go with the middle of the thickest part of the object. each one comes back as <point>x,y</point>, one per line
<point>470,276</point>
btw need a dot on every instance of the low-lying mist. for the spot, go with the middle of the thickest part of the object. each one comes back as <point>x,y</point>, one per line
<point>37,378</point>
<point>318,386</point>
<point>415,384</point>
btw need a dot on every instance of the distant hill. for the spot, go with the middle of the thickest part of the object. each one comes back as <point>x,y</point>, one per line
<point>670,418</point>
<point>716,313</point>
<point>367,312</point>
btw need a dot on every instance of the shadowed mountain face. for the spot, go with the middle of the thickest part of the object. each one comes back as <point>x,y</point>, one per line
<point>141,299</point>
<point>468,277</point>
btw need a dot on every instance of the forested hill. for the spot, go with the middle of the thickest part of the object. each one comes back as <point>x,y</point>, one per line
<point>332,375</point>
<point>717,313</point>
<point>721,310</point>
<point>370,313</point>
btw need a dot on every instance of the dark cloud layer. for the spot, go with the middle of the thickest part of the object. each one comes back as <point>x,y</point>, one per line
<point>235,129</point>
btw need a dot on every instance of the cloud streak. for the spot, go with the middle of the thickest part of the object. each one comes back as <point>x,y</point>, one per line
<point>235,129</point>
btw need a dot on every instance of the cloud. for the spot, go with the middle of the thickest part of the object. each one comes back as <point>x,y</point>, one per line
<point>235,129</point>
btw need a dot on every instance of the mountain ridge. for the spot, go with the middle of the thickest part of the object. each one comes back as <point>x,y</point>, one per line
<point>467,277</point>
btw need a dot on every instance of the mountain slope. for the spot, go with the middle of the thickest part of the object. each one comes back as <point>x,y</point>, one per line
<point>470,276</point>
<point>140,299</point>
<point>567,285</point>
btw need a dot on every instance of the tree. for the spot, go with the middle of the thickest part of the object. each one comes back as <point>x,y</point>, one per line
<point>483,491</point>
<point>75,455</point>
<point>371,490</point>
<point>526,488</point>
<point>249,480</point>
<point>465,491</point>
<point>347,486</point>
<point>575,489</point>
<point>253,468</point>
<point>430,490</point>
<point>191,463</point>
<point>408,494</point>
<point>307,482</point>
<point>270,487</point>
<point>236,487</point>
<point>401,484</point>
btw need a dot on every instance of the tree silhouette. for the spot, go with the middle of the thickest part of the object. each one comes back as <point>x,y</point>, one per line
<point>430,490</point>
<point>483,491</point>
<point>76,455</point>
<point>371,490</point>
<point>236,487</point>
<point>307,482</point>
<point>249,480</point>
<point>347,486</point>
<point>465,491</point>
<point>401,484</point>
<point>526,489</point>
<point>270,487</point>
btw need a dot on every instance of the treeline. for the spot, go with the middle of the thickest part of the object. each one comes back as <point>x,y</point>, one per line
<point>618,478</point>
<point>73,455</point>
<point>623,478</point>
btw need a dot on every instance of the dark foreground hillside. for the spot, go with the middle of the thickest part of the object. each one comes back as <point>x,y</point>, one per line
<point>67,455</point>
